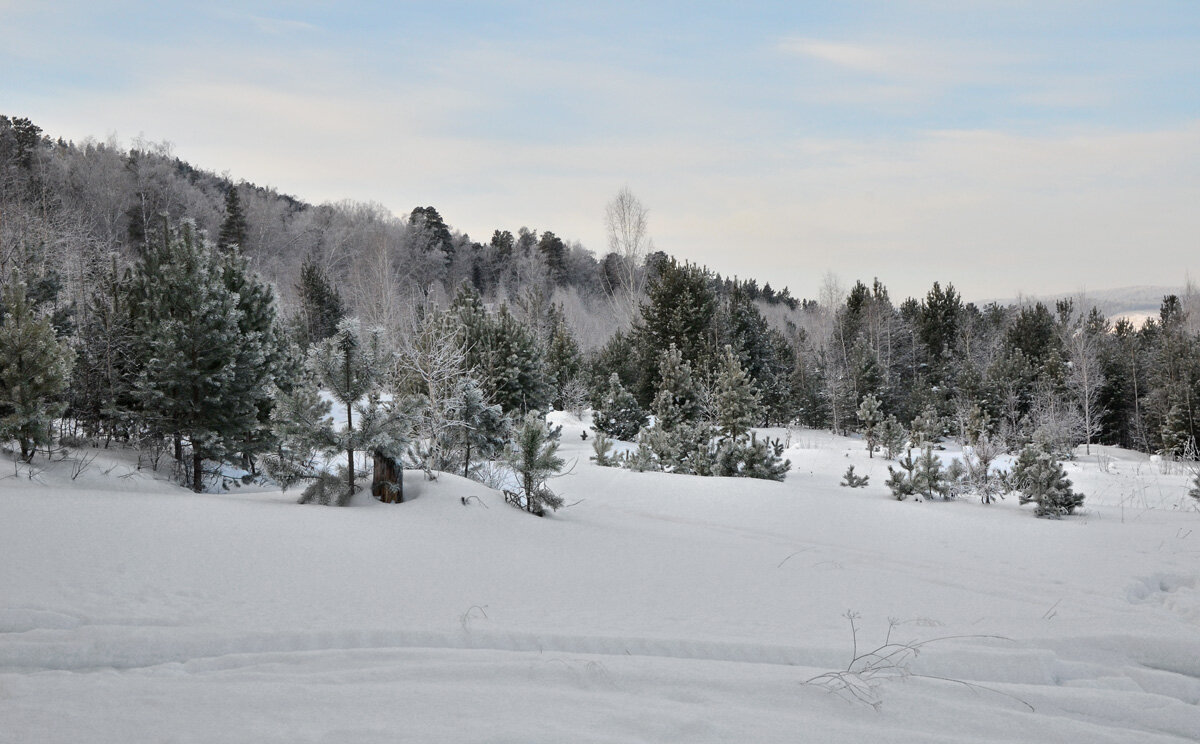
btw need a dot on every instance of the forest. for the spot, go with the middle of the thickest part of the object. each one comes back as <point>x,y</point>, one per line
<point>149,303</point>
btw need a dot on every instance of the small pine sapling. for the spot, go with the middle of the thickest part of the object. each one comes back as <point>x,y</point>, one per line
<point>929,477</point>
<point>869,416</point>
<point>957,479</point>
<point>926,428</point>
<point>852,480</point>
<point>602,446</point>
<point>1041,478</point>
<point>534,458</point>
<point>892,436</point>
<point>902,482</point>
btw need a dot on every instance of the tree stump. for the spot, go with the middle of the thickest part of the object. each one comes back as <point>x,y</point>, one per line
<point>387,481</point>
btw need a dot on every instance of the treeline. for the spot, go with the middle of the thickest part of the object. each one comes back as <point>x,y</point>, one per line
<point>108,249</point>
<point>76,205</point>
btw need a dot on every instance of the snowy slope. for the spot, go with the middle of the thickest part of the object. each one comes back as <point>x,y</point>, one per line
<point>658,608</point>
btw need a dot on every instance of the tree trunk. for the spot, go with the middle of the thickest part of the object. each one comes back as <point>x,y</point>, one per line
<point>178,448</point>
<point>197,471</point>
<point>387,482</point>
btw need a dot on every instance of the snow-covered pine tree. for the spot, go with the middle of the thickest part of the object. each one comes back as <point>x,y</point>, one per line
<point>737,407</point>
<point>1041,478</point>
<point>926,428</point>
<point>533,456</point>
<point>484,429</point>
<point>892,437</point>
<point>602,446</point>
<point>204,366</point>
<point>869,417</point>
<point>677,399</point>
<point>348,366</point>
<point>929,478</point>
<point>35,368</point>
<point>902,482</point>
<point>619,415</point>
<point>850,479</point>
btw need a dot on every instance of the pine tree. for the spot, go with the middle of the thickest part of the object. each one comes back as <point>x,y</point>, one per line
<point>602,446</point>
<point>349,367</point>
<point>233,229</point>
<point>902,482</point>
<point>929,478</point>
<point>198,319</point>
<point>484,429</point>
<point>677,400</point>
<point>869,417</point>
<point>619,415</point>
<point>563,359</point>
<point>1041,478</point>
<point>892,436</point>
<point>680,309</point>
<point>321,307</point>
<point>737,407</point>
<point>533,456</point>
<point>35,367</point>
<point>850,479</point>
<point>926,428</point>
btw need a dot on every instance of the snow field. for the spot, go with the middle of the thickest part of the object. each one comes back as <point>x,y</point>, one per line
<point>659,608</point>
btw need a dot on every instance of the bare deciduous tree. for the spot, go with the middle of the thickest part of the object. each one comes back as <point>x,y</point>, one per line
<point>628,237</point>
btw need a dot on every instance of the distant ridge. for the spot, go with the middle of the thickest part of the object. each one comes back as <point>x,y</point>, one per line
<point>1135,303</point>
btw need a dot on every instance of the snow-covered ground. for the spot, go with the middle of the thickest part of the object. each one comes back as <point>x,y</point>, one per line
<point>658,608</point>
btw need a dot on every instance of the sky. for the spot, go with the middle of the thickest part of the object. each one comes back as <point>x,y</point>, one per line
<point>1005,147</point>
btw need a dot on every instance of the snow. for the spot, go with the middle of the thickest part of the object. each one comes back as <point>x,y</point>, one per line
<point>659,608</point>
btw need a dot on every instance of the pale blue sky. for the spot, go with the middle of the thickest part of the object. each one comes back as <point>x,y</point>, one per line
<point>1002,146</point>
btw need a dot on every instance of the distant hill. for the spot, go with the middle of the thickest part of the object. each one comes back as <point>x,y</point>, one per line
<point>1135,303</point>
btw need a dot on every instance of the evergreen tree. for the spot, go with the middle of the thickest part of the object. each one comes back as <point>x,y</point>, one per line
<point>680,309</point>
<point>321,307</point>
<point>349,367</point>
<point>602,446</point>
<point>869,418</point>
<point>677,400</point>
<point>929,478</point>
<point>204,356</point>
<point>850,479</point>
<point>563,358</point>
<point>533,456</point>
<point>35,367</point>
<point>1040,478</point>
<point>483,429</point>
<point>619,416</point>
<point>892,436</point>
<point>233,229</point>
<point>902,482</point>
<point>736,402</point>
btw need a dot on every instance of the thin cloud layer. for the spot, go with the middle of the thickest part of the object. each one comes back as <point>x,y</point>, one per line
<point>1004,148</point>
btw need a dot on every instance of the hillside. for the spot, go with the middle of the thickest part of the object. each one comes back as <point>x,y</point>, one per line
<point>656,608</point>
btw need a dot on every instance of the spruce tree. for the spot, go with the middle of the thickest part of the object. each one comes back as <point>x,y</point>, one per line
<point>321,307</point>
<point>233,229</point>
<point>35,368</point>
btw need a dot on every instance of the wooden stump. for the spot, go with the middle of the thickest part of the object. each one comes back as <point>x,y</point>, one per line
<point>387,482</point>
